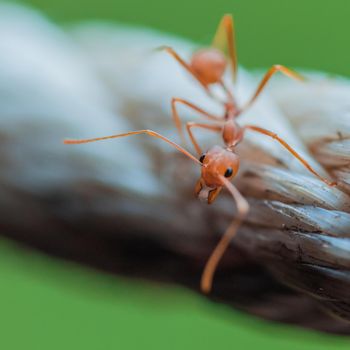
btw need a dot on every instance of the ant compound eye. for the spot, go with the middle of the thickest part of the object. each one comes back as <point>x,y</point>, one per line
<point>228,172</point>
<point>201,159</point>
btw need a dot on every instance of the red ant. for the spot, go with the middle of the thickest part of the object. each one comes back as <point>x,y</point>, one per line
<point>219,164</point>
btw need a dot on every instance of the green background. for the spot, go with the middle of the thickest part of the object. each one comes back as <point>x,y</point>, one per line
<point>305,33</point>
<point>49,304</point>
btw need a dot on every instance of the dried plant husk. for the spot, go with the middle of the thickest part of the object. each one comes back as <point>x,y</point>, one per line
<point>128,207</point>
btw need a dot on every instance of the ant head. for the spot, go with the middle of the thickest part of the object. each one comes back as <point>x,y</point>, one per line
<point>218,162</point>
<point>209,65</point>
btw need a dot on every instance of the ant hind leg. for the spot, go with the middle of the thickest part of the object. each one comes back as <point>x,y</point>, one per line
<point>273,70</point>
<point>292,151</point>
<point>225,37</point>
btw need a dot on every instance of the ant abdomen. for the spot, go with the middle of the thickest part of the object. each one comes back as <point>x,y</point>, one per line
<point>209,65</point>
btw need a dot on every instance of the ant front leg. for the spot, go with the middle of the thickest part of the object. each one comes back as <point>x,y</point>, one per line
<point>225,37</point>
<point>177,119</point>
<point>190,125</point>
<point>274,69</point>
<point>291,150</point>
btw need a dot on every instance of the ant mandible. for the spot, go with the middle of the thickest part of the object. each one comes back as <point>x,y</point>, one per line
<point>219,164</point>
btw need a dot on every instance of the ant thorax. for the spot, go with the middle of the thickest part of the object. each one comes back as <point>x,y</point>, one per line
<point>232,133</point>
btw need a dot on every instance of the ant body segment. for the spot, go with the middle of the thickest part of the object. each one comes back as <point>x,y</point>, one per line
<point>219,164</point>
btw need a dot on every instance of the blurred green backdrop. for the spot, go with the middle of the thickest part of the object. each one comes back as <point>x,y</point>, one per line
<point>305,33</point>
<point>47,304</point>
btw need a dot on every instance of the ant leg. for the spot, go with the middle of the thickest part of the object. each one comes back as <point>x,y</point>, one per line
<point>232,100</point>
<point>225,37</point>
<point>218,252</point>
<point>177,119</point>
<point>274,69</point>
<point>191,125</point>
<point>187,67</point>
<point>138,132</point>
<point>291,150</point>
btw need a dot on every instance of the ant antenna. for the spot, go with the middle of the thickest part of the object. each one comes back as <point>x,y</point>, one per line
<point>218,252</point>
<point>138,132</point>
